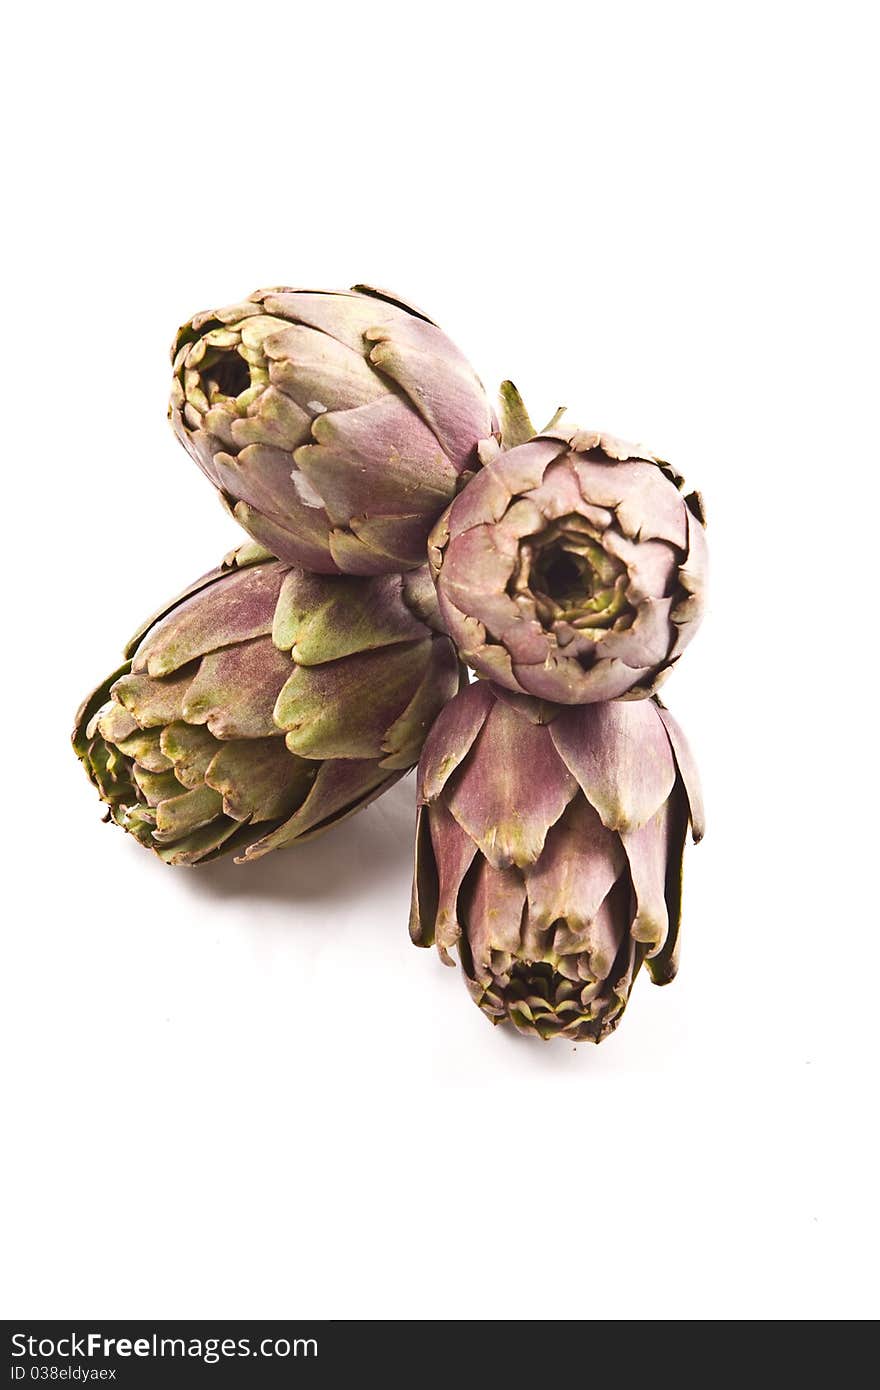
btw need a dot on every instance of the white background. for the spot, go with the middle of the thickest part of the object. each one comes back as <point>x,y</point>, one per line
<point>240,1091</point>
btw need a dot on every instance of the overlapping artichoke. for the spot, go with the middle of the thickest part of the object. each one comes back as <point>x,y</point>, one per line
<point>337,426</point>
<point>263,705</point>
<point>549,851</point>
<point>571,568</point>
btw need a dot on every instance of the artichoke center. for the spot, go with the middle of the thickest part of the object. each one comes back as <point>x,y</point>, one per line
<point>227,375</point>
<point>570,578</point>
<point>562,575</point>
<point>534,980</point>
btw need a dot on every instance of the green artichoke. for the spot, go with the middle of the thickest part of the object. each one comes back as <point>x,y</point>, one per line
<point>571,568</point>
<point>264,705</point>
<point>336,426</point>
<point>549,850</point>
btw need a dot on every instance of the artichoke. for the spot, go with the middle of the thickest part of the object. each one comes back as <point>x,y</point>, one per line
<point>549,849</point>
<point>336,425</point>
<point>263,705</point>
<point>571,568</point>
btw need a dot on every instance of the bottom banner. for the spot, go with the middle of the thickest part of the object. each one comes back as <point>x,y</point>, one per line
<point>142,1353</point>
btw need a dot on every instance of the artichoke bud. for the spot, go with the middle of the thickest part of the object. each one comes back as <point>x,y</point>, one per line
<point>336,426</point>
<point>572,568</point>
<point>549,849</point>
<point>262,706</point>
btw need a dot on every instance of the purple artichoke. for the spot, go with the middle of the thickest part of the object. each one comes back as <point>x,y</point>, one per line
<point>263,705</point>
<point>336,425</point>
<point>549,850</point>
<point>571,568</point>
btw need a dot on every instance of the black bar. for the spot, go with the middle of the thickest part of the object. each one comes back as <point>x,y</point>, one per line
<point>141,1352</point>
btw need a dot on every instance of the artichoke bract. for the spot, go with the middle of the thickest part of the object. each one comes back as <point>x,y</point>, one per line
<point>335,425</point>
<point>549,850</point>
<point>571,568</point>
<point>263,705</point>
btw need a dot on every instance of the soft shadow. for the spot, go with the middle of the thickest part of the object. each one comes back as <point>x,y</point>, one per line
<point>551,1054</point>
<point>342,863</point>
